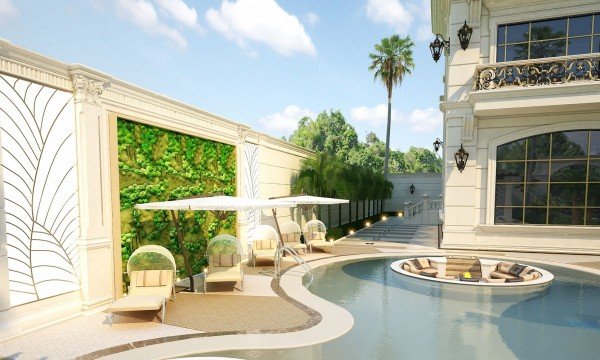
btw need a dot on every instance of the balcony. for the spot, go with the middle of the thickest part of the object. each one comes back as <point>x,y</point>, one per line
<point>538,72</point>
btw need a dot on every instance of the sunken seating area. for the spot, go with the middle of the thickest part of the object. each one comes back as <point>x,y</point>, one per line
<point>472,270</point>
<point>514,272</point>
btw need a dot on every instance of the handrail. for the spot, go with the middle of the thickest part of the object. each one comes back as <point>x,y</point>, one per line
<point>295,256</point>
<point>422,206</point>
<point>538,72</point>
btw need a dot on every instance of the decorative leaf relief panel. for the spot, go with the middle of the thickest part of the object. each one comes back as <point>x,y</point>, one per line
<point>251,182</point>
<point>37,132</point>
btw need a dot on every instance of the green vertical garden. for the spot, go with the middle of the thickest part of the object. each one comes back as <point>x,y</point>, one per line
<point>157,165</point>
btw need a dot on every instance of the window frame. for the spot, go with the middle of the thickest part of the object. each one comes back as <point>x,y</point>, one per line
<point>531,13</point>
<point>492,163</point>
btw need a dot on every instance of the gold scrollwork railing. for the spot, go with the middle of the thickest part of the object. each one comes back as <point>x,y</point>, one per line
<point>539,72</point>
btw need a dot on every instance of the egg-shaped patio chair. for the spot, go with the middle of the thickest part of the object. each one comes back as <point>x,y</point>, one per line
<point>290,234</point>
<point>151,270</point>
<point>315,236</point>
<point>264,244</point>
<point>224,255</point>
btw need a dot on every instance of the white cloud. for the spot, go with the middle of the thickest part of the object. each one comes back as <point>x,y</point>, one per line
<point>390,12</point>
<point>419,121</point>
<point>424,121</point>
<point>7,10</point>
<point>261,21</point>
<point>312,18</point>
<point>375,116</point>
<point>143,14</point>
<point>181,13</point>
<point>285,122</point>
<point>422,9</point>
<point>424,32</point>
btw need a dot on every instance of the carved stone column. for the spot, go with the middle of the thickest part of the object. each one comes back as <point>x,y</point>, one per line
<point>242,222</point>
<point>95,245</point>
<point>4,289</point>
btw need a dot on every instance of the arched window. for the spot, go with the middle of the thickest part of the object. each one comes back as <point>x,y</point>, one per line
<point>549,179</point>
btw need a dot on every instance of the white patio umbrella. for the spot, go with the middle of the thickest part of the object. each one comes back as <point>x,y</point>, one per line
<point>219,204</point>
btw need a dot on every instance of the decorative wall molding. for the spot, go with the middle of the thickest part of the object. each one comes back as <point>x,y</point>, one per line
<point>474,12</point>
<point>251,183</point>
<point>242,132</point>
<point>86,89</point>
<point>37,127</point>
<point>41,76</point>
<point>468,127</point>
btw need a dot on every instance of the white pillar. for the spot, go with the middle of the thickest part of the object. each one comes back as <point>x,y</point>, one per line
<point>95,240</point>
<point>4,289</point>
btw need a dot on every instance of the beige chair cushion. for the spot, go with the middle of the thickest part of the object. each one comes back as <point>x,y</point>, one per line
<point>411,267</point>
<point>429,271</point>
<point>501,275</point>
<point>224,260</point>
<point>504,266</point>
<point>495,280</point>
<point>137,303</point>
<point>224,274</point>
<point>264,244</point>
<point>299,246</point>
<point>424,262</point>
<point>151,278</point>
<point>291,237</point>
<point>326,246</point>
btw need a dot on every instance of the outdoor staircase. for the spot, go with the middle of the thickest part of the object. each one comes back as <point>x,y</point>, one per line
<point>395,230</point>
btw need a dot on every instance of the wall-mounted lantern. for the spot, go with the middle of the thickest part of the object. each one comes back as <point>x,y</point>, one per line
<point>412,188</point>
<point>461,157</point>
<point>437,144</point>
<point>437,45</point>
<point>464,35</point>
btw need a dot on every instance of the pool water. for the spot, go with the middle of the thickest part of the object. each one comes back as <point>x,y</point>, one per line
<point>398,317</point>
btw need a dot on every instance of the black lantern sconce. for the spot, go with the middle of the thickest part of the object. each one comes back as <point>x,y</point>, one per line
<point>464,35</point>
<point>437,144</point>
<point>437,45</point>
<point>461,157</point>
<point>412,188</point>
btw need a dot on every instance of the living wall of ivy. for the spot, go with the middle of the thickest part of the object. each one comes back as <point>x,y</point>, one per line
<point>157,165</point>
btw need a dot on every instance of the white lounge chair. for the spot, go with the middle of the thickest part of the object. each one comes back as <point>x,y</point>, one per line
<point>264,244</point>
<point>151,270</point>
<point>224,254</point>
<point>315,236</point>
<point>290,233</point>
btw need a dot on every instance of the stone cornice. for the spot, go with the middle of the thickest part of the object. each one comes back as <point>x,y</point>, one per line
<point>23,64</point>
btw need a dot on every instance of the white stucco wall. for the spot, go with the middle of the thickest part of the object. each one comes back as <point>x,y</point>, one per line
<point>425,183</point>
<point>96,101</point>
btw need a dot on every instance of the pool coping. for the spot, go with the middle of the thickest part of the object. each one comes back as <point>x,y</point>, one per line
<point>335,321</point>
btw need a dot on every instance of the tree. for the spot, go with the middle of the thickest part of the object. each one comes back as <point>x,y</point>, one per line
<point>392,60</point>
<point>420,159</point>
<point>329,132</point>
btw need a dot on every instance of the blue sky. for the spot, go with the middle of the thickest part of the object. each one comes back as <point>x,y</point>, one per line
<point>265,63</point>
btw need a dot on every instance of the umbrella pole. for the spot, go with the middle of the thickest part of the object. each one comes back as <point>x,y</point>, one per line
<point>186,260</point>
<point>278,229</point>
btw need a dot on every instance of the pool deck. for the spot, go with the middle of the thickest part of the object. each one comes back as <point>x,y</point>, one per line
<point>269,313</point>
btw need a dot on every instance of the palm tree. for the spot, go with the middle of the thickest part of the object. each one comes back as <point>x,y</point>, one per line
<point>319,176</point>
<point>393,58</point>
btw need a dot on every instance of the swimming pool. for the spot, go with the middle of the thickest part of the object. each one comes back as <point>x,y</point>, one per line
<point>400,317</point>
